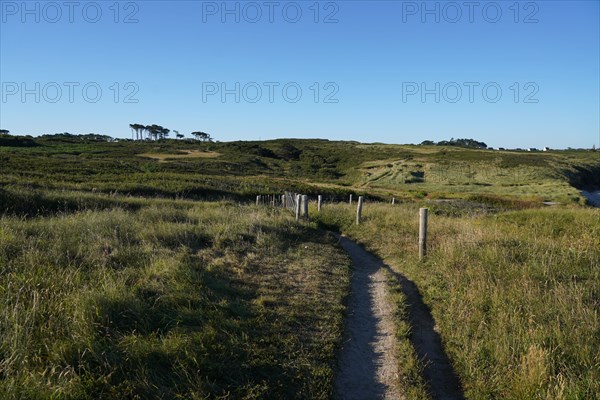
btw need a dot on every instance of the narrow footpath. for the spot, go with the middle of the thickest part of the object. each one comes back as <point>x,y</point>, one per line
<point>367,366</point>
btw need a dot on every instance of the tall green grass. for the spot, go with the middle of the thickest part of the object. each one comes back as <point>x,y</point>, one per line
<point>169,300</point>
<point>515,295</point>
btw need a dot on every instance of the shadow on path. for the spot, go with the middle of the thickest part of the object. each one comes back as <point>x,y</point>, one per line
<point>366,373</point>
<point>442,380</point>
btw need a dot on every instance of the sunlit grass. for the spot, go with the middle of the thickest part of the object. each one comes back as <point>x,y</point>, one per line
<point>243,169</point>
<point>515,295</point>
<point>169,299</point>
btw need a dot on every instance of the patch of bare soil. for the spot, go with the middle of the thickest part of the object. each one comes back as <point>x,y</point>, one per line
<point>181,154</point>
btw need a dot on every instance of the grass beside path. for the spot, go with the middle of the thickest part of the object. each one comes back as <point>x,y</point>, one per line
<point>169,299</point>
<point>515,295</point>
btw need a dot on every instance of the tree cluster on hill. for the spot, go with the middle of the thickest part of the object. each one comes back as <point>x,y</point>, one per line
<point>55,137</point>
<point>7,140</point>
<point>470,143</point>
<point>70,138</point>
<point>65,137</point>
<point>205,137</point>
<point>154,132</point>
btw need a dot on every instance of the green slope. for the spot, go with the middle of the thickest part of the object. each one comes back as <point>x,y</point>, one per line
<point>242,169</point>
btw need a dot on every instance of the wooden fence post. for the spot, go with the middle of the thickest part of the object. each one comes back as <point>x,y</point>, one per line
<point>319,202</point>
<point>305,206</point>
<point>423,232</point>
<point>359,210</point>
<point>297,207</point>
<point>283,201</point>
<point>257,200</point>
<point>393,200</point>
<point>351,199</point>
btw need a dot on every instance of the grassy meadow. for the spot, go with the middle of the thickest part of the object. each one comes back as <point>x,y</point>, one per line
<point>240,170</point>
<point>143,270</point>
<point>515,294</point>
<point>168,299</point>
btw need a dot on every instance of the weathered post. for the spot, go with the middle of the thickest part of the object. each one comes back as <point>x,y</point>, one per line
<point>350,198</point>
<point>359,210</point>
<point>319,202</point>
<point>305,206</point>
<point>423,232</point>
<point>283,201</point>
<point>393,200</point>
<point>273,202</point>
<point>297,207</point>
<point>258,200</point>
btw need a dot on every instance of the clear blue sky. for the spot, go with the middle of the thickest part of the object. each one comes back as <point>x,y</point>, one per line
<point>374,61</point>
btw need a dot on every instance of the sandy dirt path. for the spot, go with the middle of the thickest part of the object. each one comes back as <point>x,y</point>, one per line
<point>367,366</point>
<point>367,363</point>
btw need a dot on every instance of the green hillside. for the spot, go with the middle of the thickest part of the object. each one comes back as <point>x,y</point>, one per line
<point>242,169</point>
